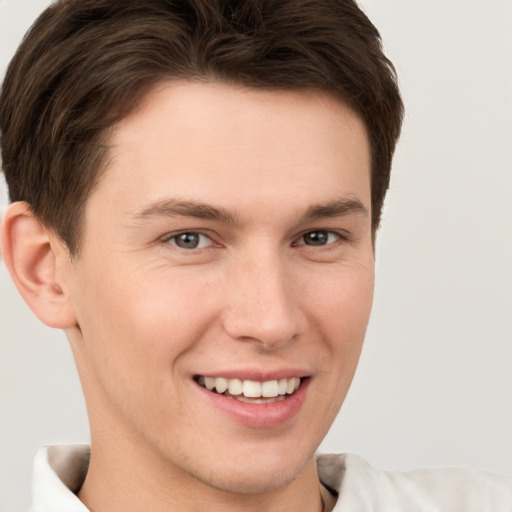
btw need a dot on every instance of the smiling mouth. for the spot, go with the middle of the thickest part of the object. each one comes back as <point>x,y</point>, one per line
<point>250,391</point>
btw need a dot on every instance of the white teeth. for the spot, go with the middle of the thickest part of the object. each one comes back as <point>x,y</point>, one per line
<point>292,385</point>
<point>269,389</point>
<point>281,386</point>
<point>235,387</point>
<point>250,388</point>
<point>221,384</point>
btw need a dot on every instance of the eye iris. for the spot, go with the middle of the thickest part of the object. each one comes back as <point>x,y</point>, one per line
<point>316,238</point>
<point>187,240</point>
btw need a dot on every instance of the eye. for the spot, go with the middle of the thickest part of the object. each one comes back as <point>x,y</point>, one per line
<point>189,240</point>
<point>318,238</point>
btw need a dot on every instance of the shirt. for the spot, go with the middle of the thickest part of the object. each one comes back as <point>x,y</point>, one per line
<point>59,472</point>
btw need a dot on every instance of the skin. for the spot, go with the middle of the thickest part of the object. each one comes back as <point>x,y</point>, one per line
<point>145,316</point>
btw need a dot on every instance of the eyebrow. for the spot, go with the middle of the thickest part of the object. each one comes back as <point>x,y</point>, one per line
<point>337,208</point>
<point>173,207</point>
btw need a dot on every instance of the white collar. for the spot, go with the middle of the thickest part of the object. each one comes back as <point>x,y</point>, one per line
<point>59,472</point>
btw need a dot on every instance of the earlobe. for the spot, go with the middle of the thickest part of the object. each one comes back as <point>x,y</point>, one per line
<point>33,255</point>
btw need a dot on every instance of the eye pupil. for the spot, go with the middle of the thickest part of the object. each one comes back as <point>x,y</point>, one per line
<point>187,240</point>
<point>316,238</point>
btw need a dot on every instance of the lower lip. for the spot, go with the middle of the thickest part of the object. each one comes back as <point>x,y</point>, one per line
<point>261,416</point>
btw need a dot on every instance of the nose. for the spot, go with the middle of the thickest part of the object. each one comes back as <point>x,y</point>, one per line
<point>262,303</point>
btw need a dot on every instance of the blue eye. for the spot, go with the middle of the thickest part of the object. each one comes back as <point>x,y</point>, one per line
<point>189,240</point>
<point>319,238</point>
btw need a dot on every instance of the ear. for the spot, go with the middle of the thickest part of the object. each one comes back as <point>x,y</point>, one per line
<point>35,258</point>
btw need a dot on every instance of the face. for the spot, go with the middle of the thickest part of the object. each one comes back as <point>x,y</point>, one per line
<point>225,282</point>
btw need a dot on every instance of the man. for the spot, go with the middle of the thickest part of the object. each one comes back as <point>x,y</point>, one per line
<point>196,191</point>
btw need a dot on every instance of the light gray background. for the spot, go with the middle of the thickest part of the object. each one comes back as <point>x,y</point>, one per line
<point>434,385</point>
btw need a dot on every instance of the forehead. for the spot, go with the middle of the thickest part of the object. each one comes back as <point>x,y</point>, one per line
<point>192,140</point>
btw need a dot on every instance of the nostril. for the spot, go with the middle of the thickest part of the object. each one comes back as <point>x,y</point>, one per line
<point>262,303</point>
<point>269,332</point>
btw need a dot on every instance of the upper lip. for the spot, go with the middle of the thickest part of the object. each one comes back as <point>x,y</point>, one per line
<point>257,375</point>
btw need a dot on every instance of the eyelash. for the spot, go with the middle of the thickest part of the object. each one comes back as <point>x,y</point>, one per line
<point>338,237</point>
<point>174,236</point>
<point>327,232</point>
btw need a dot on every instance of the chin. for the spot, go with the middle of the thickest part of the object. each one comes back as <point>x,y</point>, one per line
<point>258,482</point>
<point>257,474</point>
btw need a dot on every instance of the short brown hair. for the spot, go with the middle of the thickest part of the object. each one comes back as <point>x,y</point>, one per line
<point>85,63</point>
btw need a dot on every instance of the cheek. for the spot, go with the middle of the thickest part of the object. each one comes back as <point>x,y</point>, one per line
<point>146,318</point>
<point>346,306</point>
<point>344,303</point>
<point>136,332</point>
